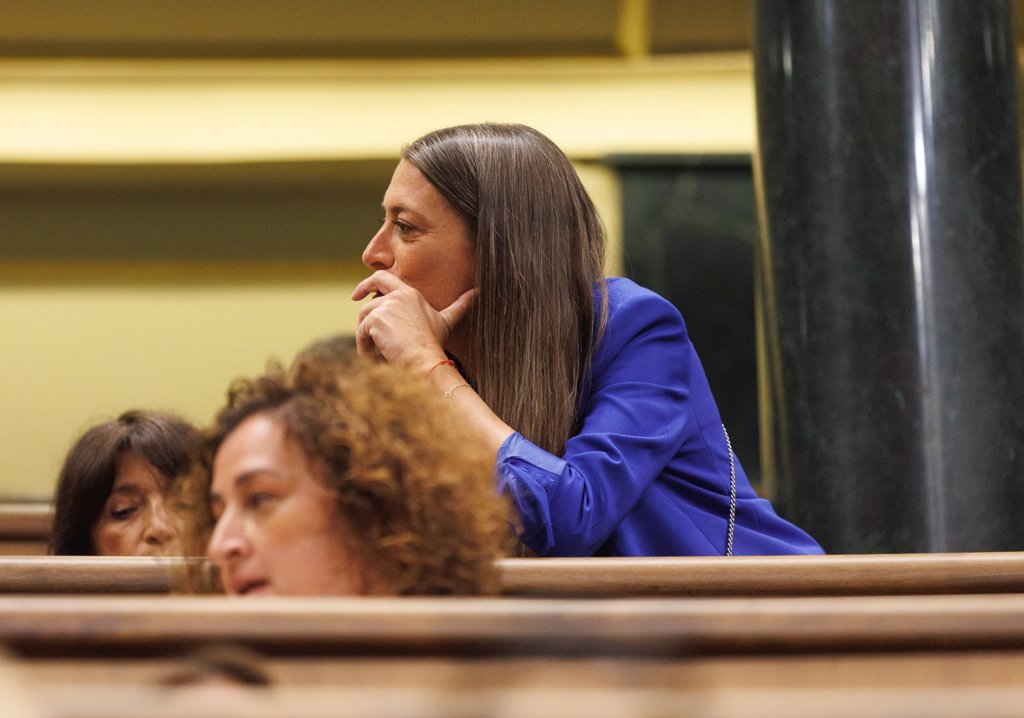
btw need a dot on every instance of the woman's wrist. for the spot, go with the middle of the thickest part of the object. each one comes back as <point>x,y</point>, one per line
<point>444,374</point>
<point>426,364</point>
<point>442,362</point>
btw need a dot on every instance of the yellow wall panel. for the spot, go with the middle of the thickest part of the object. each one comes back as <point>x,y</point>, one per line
<point>201,111</point>
<point>83,351</point>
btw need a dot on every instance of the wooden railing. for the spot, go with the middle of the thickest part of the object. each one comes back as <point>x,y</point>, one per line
<point>24,528</point>
<point>707,637</point>
<point>972,684</point>
<point>871,635</point>
<point>90,574</point>
<point>849,575</point>
<point>144,625</point>
<point>836,575</point>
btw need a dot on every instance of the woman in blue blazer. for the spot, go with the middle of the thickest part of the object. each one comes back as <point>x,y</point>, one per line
<point>488,279</point>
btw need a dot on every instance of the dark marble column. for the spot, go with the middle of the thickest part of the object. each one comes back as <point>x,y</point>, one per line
<point>892,271</point>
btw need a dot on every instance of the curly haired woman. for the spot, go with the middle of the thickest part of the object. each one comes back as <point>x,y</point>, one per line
<point>342,480</point>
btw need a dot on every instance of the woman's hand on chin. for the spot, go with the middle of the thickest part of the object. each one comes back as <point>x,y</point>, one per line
<point>399,326</point>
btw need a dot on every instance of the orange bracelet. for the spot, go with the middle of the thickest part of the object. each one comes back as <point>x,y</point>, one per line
<point>443,361</point>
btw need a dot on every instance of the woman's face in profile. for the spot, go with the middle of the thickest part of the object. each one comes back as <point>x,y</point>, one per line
<point>278,527</point>
<point>423,240</point>
<point>137,519</point>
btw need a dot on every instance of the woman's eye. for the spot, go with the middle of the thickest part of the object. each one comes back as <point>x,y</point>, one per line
<point>258,500</point>
<point>122,514</point>
<point>400,226</point>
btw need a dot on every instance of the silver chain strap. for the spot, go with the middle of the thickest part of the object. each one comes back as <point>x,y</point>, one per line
<point>732,495</point>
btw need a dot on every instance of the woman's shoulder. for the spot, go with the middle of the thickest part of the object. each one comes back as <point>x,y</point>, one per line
<point>639,322</point>
<point>629,302</point>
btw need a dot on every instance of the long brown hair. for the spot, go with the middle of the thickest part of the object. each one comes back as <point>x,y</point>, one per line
<point>539,250</point>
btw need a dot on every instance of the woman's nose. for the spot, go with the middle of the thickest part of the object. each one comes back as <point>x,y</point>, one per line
<point>226,542</point>
<point>160,528</point>
<point>377,254</point>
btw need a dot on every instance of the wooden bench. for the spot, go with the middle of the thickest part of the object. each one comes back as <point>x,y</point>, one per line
<point>836,575</point>
<point>24,528</point>
<point>71,625</point>
<point>111,656</point>
<point>865,656</point>
<point>776,636</point>
<point>90,574</point>
<point>967,684</point>
<point>883,574</point>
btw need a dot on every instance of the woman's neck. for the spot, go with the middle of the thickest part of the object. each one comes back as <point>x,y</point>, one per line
<point>459,346</point>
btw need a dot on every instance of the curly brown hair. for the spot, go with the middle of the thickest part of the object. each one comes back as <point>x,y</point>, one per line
<point>417,496</point>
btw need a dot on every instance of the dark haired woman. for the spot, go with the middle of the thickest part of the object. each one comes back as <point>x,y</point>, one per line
<point>488,279</point>
<point>114,495</point>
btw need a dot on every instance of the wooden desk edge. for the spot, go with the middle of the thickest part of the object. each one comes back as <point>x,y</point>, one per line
<point>492,626</point>
<point>604,577</point>
<point>25,521</point>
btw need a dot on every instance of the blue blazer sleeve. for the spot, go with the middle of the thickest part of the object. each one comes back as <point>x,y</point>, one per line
<point>635,416</point>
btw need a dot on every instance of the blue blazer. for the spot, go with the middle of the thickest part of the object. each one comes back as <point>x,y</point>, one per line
<point>648,472</point>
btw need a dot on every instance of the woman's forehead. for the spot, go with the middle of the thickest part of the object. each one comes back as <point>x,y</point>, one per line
<point>134,471</point>
<point>411,190</point>
<point>259,445</point>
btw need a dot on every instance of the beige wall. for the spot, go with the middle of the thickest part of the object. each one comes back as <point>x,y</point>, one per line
<point>151,111</point>
<point>83,342</point>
